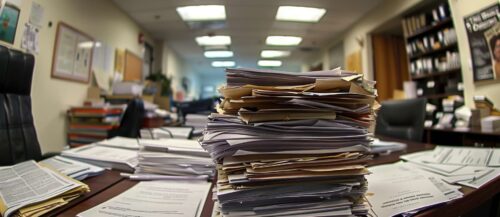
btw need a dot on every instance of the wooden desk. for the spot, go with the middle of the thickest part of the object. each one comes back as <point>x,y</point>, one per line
<point>97,184</point>
<point>457,137</point>
<point>472,199</point>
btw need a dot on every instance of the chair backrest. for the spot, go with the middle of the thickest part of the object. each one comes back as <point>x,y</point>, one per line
<point>132,119</point>
<point>402,119</point>
<point>18,139</point>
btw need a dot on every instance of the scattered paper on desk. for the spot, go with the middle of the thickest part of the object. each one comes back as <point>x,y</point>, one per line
<point>107,157</point>
<point>457,156</point>
<point>72,168</point>
<point>155,199</point>
<point>395,189</point>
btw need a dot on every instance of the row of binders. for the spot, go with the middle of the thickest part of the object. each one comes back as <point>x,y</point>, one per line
<point>291,144</point>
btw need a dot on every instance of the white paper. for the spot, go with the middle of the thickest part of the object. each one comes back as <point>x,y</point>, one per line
<point>457,156</point>
<point>394,189</point>
<point>104,156</point>
<point>36,14</point>
<point>72,168</point>
<point>155,199</point>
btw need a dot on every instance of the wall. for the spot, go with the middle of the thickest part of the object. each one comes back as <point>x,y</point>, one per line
<point>100,19</point>
<point>460,9</point>
<point>173,66</point>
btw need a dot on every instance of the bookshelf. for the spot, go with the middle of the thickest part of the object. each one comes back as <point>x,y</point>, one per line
<point>433,56</point>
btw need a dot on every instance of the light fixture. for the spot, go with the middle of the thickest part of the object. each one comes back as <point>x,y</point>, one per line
<point>218,54</point>
<point>223,63</point>
<point>202,12</point>
<point>300,14</point>
<point>269,63</point>
<point>274,53</point>
<point>213,40</point>
<point>283,40</point>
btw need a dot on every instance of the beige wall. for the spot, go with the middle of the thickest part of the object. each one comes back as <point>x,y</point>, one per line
<point>174,67</point>
<point>100,19</point>
<point>460,9</point>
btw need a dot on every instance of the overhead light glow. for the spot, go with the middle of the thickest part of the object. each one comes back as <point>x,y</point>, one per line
<point>213,40</point>
<point>283,40</point>
<point>300,14</point>
<point>218,54</point>
<point>223,63</point>
<point>269,63</point>
<point>202,12</point>
<point>274,53</point>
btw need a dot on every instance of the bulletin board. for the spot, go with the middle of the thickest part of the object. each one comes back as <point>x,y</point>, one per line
<point>133,67</point>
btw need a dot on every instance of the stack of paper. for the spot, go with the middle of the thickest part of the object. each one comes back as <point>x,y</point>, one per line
<point>72,168</point>
<point>103,156</point>
<point>291,144</point>
<point>167,133</point>
<point>27,189</point>
<point>174,157</point>
<point>401,189</point>
<point>471,167</point>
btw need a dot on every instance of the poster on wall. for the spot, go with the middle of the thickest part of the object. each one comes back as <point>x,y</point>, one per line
<point>72,54</point>
<point>9,17</point>
<point>476,26</point>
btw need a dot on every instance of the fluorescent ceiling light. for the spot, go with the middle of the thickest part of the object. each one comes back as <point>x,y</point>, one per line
<point>274,53</point>
<point>283,40</point>
<point>213,40</point>
<point>300,14</point>
<point>202,12</point>
<point>269,63</point>
<point>223,63</point>
<point>218,54</point>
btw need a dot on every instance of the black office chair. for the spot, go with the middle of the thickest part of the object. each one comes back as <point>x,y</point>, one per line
<point>402,119</point>
<point>132,119</point>
<point>18,138</point>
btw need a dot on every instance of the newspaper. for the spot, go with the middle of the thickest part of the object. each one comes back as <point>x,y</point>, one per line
<point>27,183</point>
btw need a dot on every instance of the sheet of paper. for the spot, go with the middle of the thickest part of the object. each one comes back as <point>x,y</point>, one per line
<point>155,199</point>
<point>457,156</point>
<point>409,190</point>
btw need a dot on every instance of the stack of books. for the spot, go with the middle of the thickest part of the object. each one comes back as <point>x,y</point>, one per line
<point>292,144</point>
<point>91,124</point>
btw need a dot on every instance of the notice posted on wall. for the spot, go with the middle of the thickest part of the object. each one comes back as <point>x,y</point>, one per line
<point>484,42</point>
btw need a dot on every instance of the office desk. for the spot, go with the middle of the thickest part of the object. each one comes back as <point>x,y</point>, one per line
<point>472,197</point>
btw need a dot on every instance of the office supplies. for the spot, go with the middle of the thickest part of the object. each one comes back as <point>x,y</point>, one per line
<point>27,189</point>
<point>155,198</point>
<point>107,157</point>
<point>72,168</point>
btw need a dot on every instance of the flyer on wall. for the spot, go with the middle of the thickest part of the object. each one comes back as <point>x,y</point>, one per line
<point>482,36</point>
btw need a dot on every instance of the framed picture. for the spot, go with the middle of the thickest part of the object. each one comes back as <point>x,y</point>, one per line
<point>9,18</point>
<point>72,59</point>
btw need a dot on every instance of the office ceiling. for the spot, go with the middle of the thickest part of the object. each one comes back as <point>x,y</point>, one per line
<point>248,22</point>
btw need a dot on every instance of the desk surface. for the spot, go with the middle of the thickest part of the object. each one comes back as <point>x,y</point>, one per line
<point>110,184</point>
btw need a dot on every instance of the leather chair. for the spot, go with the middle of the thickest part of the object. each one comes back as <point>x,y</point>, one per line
<point>18,138</point>
<point>402,119</point>
<point>132,119</point>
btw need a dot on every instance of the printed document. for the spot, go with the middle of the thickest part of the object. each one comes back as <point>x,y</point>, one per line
<point>155,199</point>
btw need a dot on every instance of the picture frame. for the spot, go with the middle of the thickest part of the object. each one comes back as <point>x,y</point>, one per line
<point>72,57</point>
<point>9,19</point>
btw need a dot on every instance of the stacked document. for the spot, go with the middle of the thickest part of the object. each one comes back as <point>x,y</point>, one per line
<point>167,133</point>
<point>291,144</point>
<point>72,168</point>
<point>472,167</point>
<point>28,189</point>
<point>174,157</point>
<point>104,156</point>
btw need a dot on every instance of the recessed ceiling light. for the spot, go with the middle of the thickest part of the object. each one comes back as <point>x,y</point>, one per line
<point>283,40</point>
<point>202,12</point>
<point>300,14</point>
<point>223,63</point>
<point>213,40</point>
<point>269,63</point>
<point>218,54</point>
<point>274,53</point>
